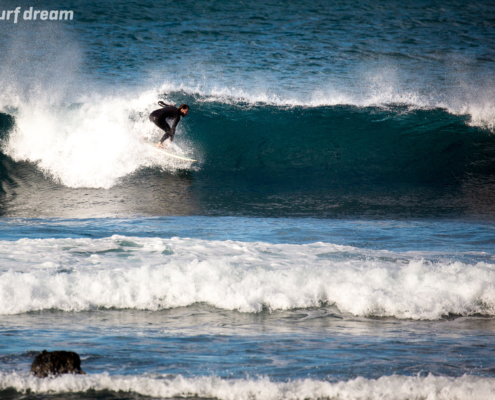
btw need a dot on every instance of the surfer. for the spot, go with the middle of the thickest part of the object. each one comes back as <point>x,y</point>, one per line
<point>159,118</point>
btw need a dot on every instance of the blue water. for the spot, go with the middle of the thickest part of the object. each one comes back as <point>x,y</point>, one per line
<point>335,238</point>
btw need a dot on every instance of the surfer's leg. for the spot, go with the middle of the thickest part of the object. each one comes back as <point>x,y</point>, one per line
<point>160,122</point>
<point>162,125</point>
<point>167,138</point>
<point>154,116</point>
<point>166,135</point>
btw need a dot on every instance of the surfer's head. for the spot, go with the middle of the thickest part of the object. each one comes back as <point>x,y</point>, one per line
<point>184,109</point>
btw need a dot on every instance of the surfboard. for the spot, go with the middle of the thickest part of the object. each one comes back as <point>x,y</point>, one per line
<point>168,153</point>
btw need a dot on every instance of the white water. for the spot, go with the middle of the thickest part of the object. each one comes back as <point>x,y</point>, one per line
<point>93,144</point>
<point>142,273</point>
<point>385,388</point>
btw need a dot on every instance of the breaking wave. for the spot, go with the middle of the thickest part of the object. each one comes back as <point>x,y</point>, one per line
<point>152,274</point>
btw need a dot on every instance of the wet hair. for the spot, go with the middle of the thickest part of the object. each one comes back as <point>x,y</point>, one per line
<point>183,107</point>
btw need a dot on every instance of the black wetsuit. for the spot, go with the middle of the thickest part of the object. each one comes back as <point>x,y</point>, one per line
<point>159,118</point>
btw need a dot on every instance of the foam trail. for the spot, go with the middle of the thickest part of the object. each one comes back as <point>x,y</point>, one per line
<point>152,274</point>
<point>162,386</point>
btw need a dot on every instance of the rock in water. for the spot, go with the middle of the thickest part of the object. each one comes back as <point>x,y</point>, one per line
<point>56,363</point>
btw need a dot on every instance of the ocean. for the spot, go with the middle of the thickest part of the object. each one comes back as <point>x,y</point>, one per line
<point>334,240</point>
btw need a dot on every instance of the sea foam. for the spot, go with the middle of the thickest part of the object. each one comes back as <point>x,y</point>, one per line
<point>152,274</point>
<point>385,388</point>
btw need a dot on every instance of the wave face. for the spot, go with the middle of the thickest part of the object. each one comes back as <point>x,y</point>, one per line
<point>325,146</point>
<point>162,386</point>
<point>152,274</point>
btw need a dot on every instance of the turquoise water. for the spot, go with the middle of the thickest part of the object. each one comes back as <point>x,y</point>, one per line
<point>335,238</point>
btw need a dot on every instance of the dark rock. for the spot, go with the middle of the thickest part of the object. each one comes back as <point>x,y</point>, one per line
<point>56,363</point>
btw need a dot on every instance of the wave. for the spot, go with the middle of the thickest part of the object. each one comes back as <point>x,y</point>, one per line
<point>152,274</point>
<point>325,146</point>
<point>252,139</point>
<point>321,146</point>
<point>393,387</point>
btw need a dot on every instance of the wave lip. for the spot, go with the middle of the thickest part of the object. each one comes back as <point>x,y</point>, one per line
<point>152,274</point>
<point>387,387</point>
<point>476,102</point>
